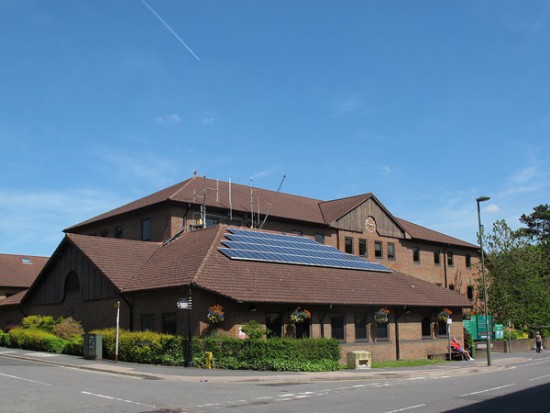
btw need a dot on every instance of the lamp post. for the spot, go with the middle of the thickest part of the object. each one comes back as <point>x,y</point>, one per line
<point>488,333</point>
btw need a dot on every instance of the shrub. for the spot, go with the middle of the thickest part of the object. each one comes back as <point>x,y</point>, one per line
<point>34,339</point>
<point>67,328</point>
<point>254,330</point>
<point>5,340</point>
<point>39,322</point>
<point>74,346</point>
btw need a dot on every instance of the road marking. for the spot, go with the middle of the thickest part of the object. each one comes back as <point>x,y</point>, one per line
<point>488,390</point>
<point>407,408</point>
<point>539,378</point>
<point>24,379</point>
<point>102,396</point>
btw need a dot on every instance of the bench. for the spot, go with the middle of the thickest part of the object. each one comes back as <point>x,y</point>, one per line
<point>455,355</point>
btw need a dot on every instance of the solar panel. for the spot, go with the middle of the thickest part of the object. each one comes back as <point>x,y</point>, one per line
<point>290,249</point>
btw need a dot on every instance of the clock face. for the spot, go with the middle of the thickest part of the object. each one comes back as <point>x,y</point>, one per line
<point>370,224</point>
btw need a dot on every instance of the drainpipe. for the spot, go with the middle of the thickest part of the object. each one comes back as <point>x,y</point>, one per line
<point>131,316</point>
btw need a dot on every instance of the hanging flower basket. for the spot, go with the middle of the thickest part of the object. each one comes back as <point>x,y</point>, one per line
<point>299,315</point>
<point>381,316</point>
<point>215,314</point>
<point>444,315</point>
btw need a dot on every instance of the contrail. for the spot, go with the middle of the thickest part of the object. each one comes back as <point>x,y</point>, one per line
<point>170,29</point>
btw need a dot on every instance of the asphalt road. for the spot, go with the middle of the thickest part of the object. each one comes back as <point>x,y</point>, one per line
<point>34,386</point>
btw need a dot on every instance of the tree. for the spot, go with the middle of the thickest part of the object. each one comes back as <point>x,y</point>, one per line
<point>518,289</point>
<point>538,229</point>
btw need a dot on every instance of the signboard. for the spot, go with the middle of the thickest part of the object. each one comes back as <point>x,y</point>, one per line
<point>482,327</point>
<point>184,304</point>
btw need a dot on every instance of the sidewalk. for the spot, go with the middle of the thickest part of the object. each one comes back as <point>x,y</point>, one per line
<point>152,372</point>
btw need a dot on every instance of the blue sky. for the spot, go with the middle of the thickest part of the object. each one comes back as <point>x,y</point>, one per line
<point>427,104</point>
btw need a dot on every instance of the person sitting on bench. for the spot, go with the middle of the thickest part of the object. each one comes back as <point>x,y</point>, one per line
<point>456,347</point>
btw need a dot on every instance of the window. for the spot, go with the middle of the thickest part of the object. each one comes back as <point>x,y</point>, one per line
<point>470,292</point>
<point>363,247</point>
<point>147,322</point>
<point>26,260</point>
<point>451,287</point>
<point>437,257</point>
<point>302,329</point>
<point>382,331</point>
<point>337,326</point>
<point>320,238</point>
<point>274,323</point>
<point>391,251</point>
<point>416,255</point>
<point>450,259</point>
<point>212,222</point>
<point>297,232</point>
<point>468,261</point>
<point>146,230</point>
<point>361,331</point>
<point>348,243</point>
<point>426,327</point>
<point>118,231</point>
<point>378,249</point>
<point>442,328</point>
<point>104,233</point>
<point>169,323</point>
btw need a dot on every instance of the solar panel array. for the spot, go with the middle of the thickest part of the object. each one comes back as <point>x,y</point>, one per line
<point>250,245</point>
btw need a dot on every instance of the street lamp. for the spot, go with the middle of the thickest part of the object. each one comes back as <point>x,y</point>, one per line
<point>487,332</point>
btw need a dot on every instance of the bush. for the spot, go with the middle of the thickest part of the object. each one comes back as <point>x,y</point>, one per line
<point>254,330</point>
<point>39,322</point>
<point>5,340</point>
<point>74,346</point>
<point>34,339</point>
<point>67,328</point>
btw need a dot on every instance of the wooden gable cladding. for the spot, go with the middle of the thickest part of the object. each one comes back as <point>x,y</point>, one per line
<point>50,288</point>
<point>355,220</point>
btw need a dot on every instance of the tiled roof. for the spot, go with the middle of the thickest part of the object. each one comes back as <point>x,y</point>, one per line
<point>426,234</point>
<point>216,194</point>
<point>119,259</point>
<point>251,281</point>
<point>20,270</point>
<point>14,299</point>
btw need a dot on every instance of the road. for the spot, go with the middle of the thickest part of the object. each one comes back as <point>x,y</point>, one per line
<point>31,386</point>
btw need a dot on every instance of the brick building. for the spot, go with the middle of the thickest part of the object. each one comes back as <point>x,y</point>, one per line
<point>153,252</point>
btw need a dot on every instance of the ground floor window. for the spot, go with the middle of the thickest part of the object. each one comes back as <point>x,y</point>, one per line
<point>147,322</point>
<point>169,323</point>
<point>337,325</point>
<point>274,323</point>
<point>361,330</point>
<point>302,329</point>
<point>426,327</point>
<point>442,328</point>
<point>382,331</point>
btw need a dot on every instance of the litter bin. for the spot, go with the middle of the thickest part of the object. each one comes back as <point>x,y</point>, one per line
<point>93,346</point>
<point>359,359</point>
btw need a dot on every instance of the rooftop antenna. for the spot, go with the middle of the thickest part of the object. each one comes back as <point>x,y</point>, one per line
<point>230,203</point>
<point>272,203</point>
<point>203,206</point>
<point>251,205</point>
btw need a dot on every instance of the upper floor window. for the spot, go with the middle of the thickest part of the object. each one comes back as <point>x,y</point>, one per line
<point>320,238</point>
<point>468,260</point>
<point>450,258</point>
<point>363,247</point>
<point>348,242</point>
<point>391,251</point>
<point>416,254</point>
<point>470,292</point>
<point>212,222</point>
<point>146,230</point>
<point>437,257</point>
<point>378,249</point>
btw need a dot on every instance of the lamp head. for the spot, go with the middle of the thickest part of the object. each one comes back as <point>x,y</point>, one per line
<point>483,199</point>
